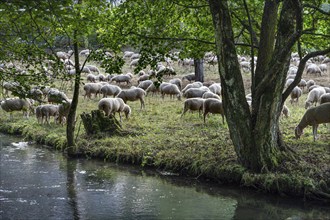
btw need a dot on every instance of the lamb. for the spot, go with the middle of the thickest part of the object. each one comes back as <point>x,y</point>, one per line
<point>145,84</point>
<point>122,78</point>
<point>176,81</point>
<point>295,94</point>
<point>195,92</point>
<point>92,88</point>
<point>213,106</point>
<point>56,96</point>
<point>313,69</point>
<point>112,105</point>
<point>110,90</point>
<point>313,116</point>
<point>193,104</point>
<point>314,96</point>
<point>215,88</point>
<point>190,77</point>
<point>133,94</point>
<point>170,89</point>
<point>49,110</point>
<point>208,95</point>
<point>192,85</point>
<point>16,104</point>
<point>324,98</point>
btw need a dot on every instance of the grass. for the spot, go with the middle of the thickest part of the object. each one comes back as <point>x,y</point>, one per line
<point>158,137</point>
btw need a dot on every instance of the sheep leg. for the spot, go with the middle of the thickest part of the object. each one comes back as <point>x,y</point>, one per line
<point>315,131</point>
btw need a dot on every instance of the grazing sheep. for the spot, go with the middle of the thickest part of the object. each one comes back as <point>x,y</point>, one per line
<point>288,82</point>
<point>325,98</point>
<point>122,78</point>
<point>128,54</point>
<point>35,94</point>
<point>323,67</point>
<point>37,111</point>
<point>192,85</point>
<point>310,83</point>
<point>208,83</point>
<point>193,104</point>
<point>208,95</point>
<point>56,96</point>
<point>85,52</point>
<point>314,96</point>
<point>16,104</point>
<point>176,81</point>
<point>112,105</point>
<point>285,111</point>
<point>133,63</point>
<point>62,55</point>
<point>10,86</point>
<point>135,56</point>
<point>152,88</point>
<point>49,110</point>
<point>101,77</point>
<point>170,89</point>
<point>213,106</point>
<point>133,94</point>
<point>326,60</point>
<point>110,90</point>
<point>295,94</point>
<point>190,77</point>
<point>93,68</point>
<point>302,84</point>
<point>313,69</point>
<point>313,116</point>
<point>145,84</point>
<point>91,78</point>
<point>143,78</point>
<point>195,92</point>
<point>92,88</point>
<point>127,110</point>
<point>165,71</point>
<point>215,88</point>
<point>63,112</point>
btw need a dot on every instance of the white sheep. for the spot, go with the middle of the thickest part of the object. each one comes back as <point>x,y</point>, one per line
<point>295,94</point>
<point>56,96</point>
<point>143,78</point>
<point>16,104</point>
<point>314,96</point>
<point>324,98</point>
<point>210,94</point>
<point>112,105</point>
<point>110,90</point>
<point>128,54</point>
<point>93,68</point>
<point>313,69</point>
<point>215,88</point>
<point>208,83</point>
<point>323,67</point>
<point>85,52</point>
<point>190,77</point>
<point>63,112</point>
<point>285,111</point>
<point>122,78</point>
<point>49,110</point>
<point>145,84</point>
<point>310,83</point>
<point>162,71</point>
<point>92,88</point>
<point>302,84</point>
<point>288,82</point>
<point>10,86</point>
<point>193,104</point>
<point>213,106</point>
<point>192,85</point>
<point>176,81</point>
<point>91,78</point>
<point>135,56</point>
<point>170,89</point>
<point>153,89</point>
<point>195,92</point>
<point>313,116</point>
<point>134,63</point>
<point>133,94</point>
<point>101,77</point>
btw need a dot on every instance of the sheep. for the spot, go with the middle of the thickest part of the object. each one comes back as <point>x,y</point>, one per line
<point>38,114</point>
<point>215,88</point>
<point>135,56</point>
<point>288,82</point>
<point>295,94</point>
<point>285,111</point>
<point>190,77</point>
<point>132,94</point>
<point>302,84</point>
<point>208,95</point>
<point>16,104</point>
<point>143,78</point>
<point>93,68</point>
<point>91,78</point>
<point>193,104</point>
<point>195,92</point>
<point>176,81</point>
<point>324,98</point>
<point>326,60</point>
<point>10,86</point>
<point>313,116</point>
<point>152,88</point>
<point>165,71</point>
<point>110,90</point>
<point>128,54</point>
<point>63,112</point>
<point>92,88</point>
<point>192,85</point>
<point>133,63</point>
<point>213,106</point>
<point>310,83</point>
<point>112,105</point>
<point>313,96</point>
<point>122,78</point>
<point>101,77</point>
<point>85,52</point>
<point>323,67</point>
<point>313,69</point>
<point>49,110</point>
<point>62,55</point>
<point>208,83</point>
<point>170,89</point>
<point>56,96</point>
<point>145,84</point>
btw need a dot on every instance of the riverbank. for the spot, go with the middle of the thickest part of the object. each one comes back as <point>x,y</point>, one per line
<point>187,146</point>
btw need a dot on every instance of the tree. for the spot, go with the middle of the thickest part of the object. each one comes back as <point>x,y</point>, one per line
<point>161,26</point>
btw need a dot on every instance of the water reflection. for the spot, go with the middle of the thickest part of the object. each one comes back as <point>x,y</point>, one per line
<point>37,183</point>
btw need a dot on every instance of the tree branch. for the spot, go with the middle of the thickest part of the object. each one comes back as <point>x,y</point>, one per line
<point>190,6</point>
<point>300,71</point>
<point>315,8</point>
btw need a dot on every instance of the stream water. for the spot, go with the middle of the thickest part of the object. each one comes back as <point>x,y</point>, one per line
<point>40,183</point>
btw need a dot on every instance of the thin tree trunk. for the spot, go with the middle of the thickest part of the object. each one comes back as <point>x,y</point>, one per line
<point>199,70</point>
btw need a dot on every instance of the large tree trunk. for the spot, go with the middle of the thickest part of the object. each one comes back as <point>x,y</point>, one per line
<point>71,122</point>
<point>256,137</point>
<point>199,70</point>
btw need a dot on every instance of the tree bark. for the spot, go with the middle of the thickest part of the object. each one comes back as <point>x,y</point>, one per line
<point>199,70</point>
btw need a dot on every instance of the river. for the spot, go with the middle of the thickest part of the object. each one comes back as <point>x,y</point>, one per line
<point>39,183</point>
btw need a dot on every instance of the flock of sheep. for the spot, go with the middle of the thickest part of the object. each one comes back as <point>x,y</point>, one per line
<point>202,97</point>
